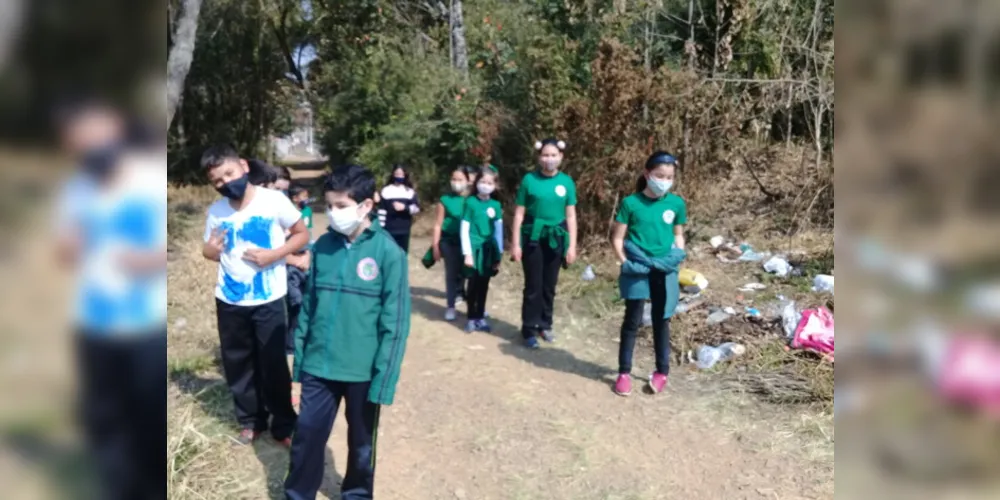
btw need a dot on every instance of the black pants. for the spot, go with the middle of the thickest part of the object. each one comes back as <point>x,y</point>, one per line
<point>253,359</point>
<point>541,265</point>
<point>454,281</point>
<point>293,323</point>
<point>123,412</point>
<point>479,287</point>
<point>661,326</point>
<point>403,240</point>
<point>320,400</point>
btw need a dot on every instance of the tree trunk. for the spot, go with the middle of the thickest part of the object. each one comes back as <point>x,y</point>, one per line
<point>10,27</point>
<point>460,59</point>
<point>181,54</point>
<point>692,54</point>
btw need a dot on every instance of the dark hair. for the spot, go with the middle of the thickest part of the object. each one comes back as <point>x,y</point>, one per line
<point>68,109</point>
<point>655,160</point>
<point>551,141</point>
<point>261,173</point>
<point>478,172</point>
<point>216,155</point>
<point>406,175</point>
<point>284,173</point>
<point>294,191</point>
<point>355,180</point>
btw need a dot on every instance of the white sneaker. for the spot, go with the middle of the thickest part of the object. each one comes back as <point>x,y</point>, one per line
<point>450,314</point>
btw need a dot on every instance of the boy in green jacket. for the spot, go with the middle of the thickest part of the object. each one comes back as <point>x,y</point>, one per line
<point>350,339</point>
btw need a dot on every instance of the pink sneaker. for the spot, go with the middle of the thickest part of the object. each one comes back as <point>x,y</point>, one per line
<point>657,381</point>
<point>623,386</point>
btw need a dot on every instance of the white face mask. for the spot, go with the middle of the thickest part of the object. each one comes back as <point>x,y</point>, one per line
<point>459,187</point>
<point>659,187</point>
<point>344,220</point>
<point>550,164</point>
<point>485,189</point>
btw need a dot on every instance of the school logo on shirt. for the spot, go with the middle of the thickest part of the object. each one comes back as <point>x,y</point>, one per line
<point>367,269</point>
<point>561,190</point>
<point>491,212</point>
<point>668,216</point>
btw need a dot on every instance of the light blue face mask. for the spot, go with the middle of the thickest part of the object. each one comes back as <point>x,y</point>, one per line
<point>659,187</point>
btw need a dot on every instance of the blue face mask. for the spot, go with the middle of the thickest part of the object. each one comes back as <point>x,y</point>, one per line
<point>399,180</point>
<point>659,187</point>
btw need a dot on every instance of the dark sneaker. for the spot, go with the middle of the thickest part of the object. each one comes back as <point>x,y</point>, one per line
<point>531,343</point>
<point>471,326</point>
<point>247,437</point>
<point>483,326</point>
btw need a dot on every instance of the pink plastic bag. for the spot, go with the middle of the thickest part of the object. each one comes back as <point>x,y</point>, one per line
<point>815,332</point>
<point>971,373</point>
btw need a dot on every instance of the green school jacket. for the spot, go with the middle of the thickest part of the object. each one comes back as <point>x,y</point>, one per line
<point>355,315</point>
<point>633,282</point>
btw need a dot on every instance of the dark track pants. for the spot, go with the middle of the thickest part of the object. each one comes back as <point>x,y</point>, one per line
<point>541,265</point>
<point>320,400</point>
<point>252,341</point>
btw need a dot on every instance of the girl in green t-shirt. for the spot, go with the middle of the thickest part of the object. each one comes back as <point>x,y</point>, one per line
<point>652,220</point>
<point>482,245</point>
<point>543,238</point>
<point>446,242</point>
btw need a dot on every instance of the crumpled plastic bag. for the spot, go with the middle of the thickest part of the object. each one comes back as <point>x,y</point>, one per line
<point>969,373</point>
<point>778,265</point>
<point>815,332</point>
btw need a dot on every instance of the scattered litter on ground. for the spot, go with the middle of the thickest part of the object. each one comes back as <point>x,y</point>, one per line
<point>751,255</point>
<point>984,300</point>
<point>778,265</point>
<point>691,290</point>
<point>823,283</point>
<point>968,374</point>
<point>709,356</point>
<point>753,312</point>
<point>752,287</point>
<point>688,304</point>
<point>915,271</point>
<point>815,332</point>
<point>729,310</point>
<point>690,277</point>
<point>717,317</point>
<point>717,241</point>
<point>588,274</point>
<point>790,318</point>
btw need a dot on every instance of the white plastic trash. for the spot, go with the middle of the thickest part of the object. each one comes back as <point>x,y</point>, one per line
<point>823,283</point>
<point>717,241</point>
<point>708,356</point>
<point>588,274</point>
<point>778,265</point>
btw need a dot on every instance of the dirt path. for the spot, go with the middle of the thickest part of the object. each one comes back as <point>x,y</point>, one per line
<point>479,417</point>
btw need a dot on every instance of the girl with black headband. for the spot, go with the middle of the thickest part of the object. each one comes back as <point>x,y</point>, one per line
<point>543,238</point>
<point>648,238</point>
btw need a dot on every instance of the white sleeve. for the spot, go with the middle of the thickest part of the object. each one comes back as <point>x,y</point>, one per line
<point>288,213</point>
<point>210,224</point>
<point>498,233</point>
<point>466,240</point>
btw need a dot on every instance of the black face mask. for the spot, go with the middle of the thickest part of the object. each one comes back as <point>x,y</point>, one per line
<point>303,203</point>
<point>235,189</point>
<point>99,162</point>
<point>399,180</point>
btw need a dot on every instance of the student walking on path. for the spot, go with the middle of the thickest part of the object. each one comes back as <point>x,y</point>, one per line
<point>648,238</point>
<point>446,242</point>
<point>398,204</point>
<point>543,238</point>
<point>245,234</point>
<point>482,245</point>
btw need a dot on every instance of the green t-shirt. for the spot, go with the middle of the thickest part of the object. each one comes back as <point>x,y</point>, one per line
<point>307,216</point>
<point>651,222</point>
<point>481,215</point>
<point>454,208</point>
<point>546,198</point>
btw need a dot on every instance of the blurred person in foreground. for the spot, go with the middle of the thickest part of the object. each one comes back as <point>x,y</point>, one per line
<point>110,228</point>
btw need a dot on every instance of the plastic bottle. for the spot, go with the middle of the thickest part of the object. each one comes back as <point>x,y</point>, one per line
<point>717,317</point>
<point>709,356</point>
